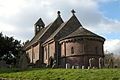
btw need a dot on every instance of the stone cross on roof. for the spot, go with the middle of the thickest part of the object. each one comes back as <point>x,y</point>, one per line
<point>73,11</point>
<point>58,13</point>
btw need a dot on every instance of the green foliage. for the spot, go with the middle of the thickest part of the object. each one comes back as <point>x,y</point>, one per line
<point>9,48</point>
<point>61,74</point>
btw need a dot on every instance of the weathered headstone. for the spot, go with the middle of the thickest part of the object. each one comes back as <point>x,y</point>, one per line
<point>73,67</point>
<point>67,65</point>
<point>93,62</point>
<point>54,64</point>
<point>93,67</point>
<point>88,67</point>
<point>24,61</point>
<point>100,62</point>
<point>90,62</point>
<point>50,62</point>
<point>83,67</point>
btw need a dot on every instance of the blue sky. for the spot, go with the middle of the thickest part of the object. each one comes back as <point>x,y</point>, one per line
<point>17,17</point>
<point>111,9</point>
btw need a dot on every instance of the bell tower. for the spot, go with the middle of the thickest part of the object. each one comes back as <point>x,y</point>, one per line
<point>39,25</point>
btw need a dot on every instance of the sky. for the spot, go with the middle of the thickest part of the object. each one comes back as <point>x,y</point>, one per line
<point>17,17</point>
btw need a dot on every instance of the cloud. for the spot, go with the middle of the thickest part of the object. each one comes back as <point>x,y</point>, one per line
<point>113,46</point>
<point>17,17</point>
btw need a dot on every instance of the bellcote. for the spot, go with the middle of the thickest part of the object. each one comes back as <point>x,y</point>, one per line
<point>39,25</point>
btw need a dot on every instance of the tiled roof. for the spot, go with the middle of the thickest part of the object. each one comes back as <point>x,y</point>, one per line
<point>55,33</point>
<point>73,18</point>
<point>40,22</point>
<point>82,32</point>
<point>35,38</point>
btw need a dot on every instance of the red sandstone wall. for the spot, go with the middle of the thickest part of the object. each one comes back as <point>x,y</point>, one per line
<point>77,46</point>
<point>29,52</point>
<point>63,49</point>
<point>50,51</point>
<point>33,51</point>
<point>36,53</point>
<point>90,47</point>
<point>80,48</point>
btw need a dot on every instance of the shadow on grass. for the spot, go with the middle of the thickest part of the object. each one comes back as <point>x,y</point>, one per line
<point>115,78</point>
<point>13,70</point>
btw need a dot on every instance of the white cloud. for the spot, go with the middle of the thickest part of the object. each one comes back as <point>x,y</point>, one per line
<point>113,46</point>
<point>17,17</point>
<point>6,27</point>
<point>11,7</point>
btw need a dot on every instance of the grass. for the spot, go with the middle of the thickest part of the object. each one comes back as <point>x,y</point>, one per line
<point>61,74</point>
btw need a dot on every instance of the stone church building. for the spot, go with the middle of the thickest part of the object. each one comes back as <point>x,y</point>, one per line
<point>64,42</point>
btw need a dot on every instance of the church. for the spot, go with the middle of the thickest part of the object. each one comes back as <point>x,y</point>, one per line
<point>65,43</point>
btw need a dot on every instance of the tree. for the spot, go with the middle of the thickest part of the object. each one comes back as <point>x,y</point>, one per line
<point>10,49</point>
<point>109,59</point>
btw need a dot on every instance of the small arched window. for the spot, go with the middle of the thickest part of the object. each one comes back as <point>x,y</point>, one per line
<point>38,28</point>
<point>46,52</point>
<point>72,50</point>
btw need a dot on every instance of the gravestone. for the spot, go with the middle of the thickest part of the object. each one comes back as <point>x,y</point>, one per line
<point>83,67</point>
<point>24,61</point>
<point>54,64</point>
<point>90,62</point>
<point>50,62</point>
<point>88,67</point>
<point>100,62</point>
<point>67,66</point>
<point>73,67</point>
<point>93,63</point>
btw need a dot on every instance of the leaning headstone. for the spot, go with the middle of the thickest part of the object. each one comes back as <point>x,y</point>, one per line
<point>67,66</point>
<point>24,61</point>
<point>90,62</point>
<point>73,67</point>
<point>100,62</point>
<point>83,67</point>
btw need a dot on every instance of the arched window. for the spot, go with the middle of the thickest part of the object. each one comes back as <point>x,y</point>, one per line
<point>46,52</point>
<point>72,50</point>
<point>33,54</point>
<point>38,28</point>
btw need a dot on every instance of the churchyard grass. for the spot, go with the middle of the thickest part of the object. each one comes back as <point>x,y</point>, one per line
<point>60,74</point>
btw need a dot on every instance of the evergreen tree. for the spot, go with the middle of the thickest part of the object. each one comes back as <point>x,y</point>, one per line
<point>10,49</point>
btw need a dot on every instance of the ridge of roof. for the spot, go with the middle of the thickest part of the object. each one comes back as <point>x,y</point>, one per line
<point>35,38</point>
<point>54,34</point>
<point>42,32</point>
<point>59,17</point>
<point>61,26</point>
